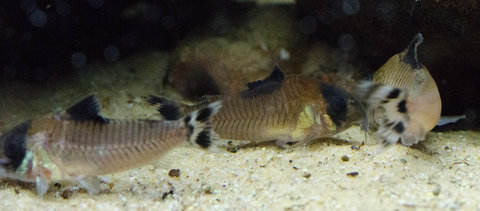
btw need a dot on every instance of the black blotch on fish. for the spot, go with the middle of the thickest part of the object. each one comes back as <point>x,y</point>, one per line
<point>399,128</point>
<point>14,146</point>
<point>87,110</point>
<point>394,93</point>
<point>336,103</point>
<point>411,55</point>
<point>189,126</point>
<point>204,114</point>
<point>187,119</point>
<point>168,109</point>
<point>265,86</point>
<point>203,139</point>
<point>402,107</point>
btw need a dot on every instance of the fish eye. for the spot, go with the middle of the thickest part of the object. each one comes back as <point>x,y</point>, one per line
<point>339,105</point>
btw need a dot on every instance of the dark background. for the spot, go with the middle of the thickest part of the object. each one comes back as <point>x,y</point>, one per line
<point>43,41</point>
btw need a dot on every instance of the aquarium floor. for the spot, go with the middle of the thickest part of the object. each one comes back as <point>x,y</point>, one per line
<point>440,173</point>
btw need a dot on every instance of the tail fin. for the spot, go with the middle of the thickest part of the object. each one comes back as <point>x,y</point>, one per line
<point>198,123</point>
<point>387,107</point>
<point>170,110</point>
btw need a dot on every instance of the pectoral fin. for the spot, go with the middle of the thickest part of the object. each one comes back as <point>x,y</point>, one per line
<point>41,183</point>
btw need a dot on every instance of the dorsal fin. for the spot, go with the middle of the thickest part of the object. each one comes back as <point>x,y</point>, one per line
<point>86,109</point>
<point>411,57</point>
<point>265,86</point>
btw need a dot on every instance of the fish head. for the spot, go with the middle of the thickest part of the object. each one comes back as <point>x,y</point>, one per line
<point>356,113</point>
<point>423,104</point>
<point>343,108</point>
<point>13,149</point>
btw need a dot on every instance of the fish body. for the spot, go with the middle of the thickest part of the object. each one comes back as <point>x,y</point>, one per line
<point>80,144</point>
<point>423,105</point>
<point>291,108</point>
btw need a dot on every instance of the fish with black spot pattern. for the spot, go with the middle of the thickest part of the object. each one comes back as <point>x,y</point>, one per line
<point>281,108</point>
<point>79,144</point>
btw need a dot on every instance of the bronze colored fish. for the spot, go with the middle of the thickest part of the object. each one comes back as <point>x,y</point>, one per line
<point>292,108</point>
<point>79,144</point>
<point>420,112</point>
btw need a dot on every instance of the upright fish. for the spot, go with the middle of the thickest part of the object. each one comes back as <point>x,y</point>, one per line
<point>292,108</point>
<point>80,144</point>
<point>421,110</point>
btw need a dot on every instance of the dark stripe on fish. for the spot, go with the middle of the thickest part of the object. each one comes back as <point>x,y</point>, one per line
<point>204,114</point>
<point>336,103</point>
<point>394,93</point>
<point>402,107</point>
<point>203,139</point>
<point>399,128</point>
<point>14,146</point>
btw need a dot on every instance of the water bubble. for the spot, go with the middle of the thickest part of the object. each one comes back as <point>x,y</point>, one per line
<point>78,59</point>
<point>62,8</point>
<point>351,7</point>
<point>308,24</point>
<point>111,53</point>
<point>96,3</point>
<point>38,18</point>
<point>27,36</point>
<point>346,42</point>
<point>29,5</point>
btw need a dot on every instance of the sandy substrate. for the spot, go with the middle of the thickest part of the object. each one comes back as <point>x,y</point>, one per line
<point>440,173</point>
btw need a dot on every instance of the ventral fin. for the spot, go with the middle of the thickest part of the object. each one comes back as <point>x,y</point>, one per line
<point>265,86</point>
<point>86,110</point>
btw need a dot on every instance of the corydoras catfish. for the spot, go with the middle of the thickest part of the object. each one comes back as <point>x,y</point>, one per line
<point>281,108</point>
<point>79,144</point>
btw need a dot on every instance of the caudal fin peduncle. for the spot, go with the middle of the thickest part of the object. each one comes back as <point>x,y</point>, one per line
<point>387,107</point>
<point>201,133</point>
